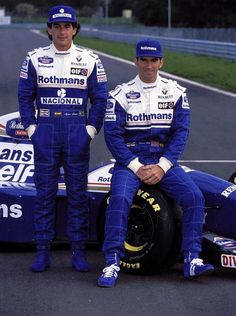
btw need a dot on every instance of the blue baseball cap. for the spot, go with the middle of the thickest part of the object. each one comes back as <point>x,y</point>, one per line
<point>149,48</point>
<point>62,13</point>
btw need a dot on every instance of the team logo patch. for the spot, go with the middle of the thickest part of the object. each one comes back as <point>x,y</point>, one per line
<point>133,95</point>
<point>164,90</point>
<point>45,60</point>
<point>110,109</point>
<point>78,58</point>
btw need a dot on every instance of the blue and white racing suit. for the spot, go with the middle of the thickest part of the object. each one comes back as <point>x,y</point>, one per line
<point>149,124</point>
<point>61,83</point>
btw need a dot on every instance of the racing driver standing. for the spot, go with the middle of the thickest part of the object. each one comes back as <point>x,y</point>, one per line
<point>146,129</point>
<point>60,79</point>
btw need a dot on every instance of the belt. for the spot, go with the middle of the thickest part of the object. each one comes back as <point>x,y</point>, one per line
<point>61,113</point>
<point>153,143</point>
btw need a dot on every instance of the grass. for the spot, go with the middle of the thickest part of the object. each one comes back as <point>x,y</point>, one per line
<point>216,72</point>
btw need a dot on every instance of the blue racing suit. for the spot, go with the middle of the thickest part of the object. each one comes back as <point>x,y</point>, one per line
<point>61,83</point>
<point>149,124</point>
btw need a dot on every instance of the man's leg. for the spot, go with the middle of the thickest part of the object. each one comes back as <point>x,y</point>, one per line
<point>46,181</point>
<point>124,185</point>
<point>76,164</point>
<point>179,186</point>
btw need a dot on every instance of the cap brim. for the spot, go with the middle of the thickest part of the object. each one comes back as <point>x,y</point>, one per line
<point>149,55</point>
<point>58,20</point>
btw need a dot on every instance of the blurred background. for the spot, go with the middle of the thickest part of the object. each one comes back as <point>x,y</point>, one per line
<point>194,19</point>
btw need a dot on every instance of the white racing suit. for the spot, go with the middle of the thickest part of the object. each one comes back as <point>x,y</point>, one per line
<point>149,124</point>
<point>61,84</point>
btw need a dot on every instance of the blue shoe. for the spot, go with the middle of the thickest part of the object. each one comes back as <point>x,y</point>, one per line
<point>196,267</point>
<point>79,261</point>
<point>42,258</point>
<point>109,276</point>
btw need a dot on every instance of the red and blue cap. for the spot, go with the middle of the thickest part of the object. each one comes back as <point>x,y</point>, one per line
<point>62,13</point>
<point>149,48</point>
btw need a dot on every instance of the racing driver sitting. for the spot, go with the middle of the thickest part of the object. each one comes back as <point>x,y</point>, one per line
<point>147,139</point>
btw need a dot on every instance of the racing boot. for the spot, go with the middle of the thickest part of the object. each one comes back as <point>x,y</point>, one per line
<point>42,258</point>
<point>110,272</point>
<point>194,267</point>
<point>79,261</point>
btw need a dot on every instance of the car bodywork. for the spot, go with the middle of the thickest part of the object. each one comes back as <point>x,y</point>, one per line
<point>17,197</point>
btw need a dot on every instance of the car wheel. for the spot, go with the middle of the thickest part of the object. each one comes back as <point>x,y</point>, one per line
<point>150,233</point>
<point>232,178</point>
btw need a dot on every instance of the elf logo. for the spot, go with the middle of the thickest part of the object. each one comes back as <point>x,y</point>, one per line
<point>14,211</point>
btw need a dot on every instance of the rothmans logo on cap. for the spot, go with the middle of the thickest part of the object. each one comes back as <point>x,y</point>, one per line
<point>62,14</point>
<point>148,48</point>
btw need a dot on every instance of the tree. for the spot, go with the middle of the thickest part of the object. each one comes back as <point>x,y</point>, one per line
<point>25,10</point>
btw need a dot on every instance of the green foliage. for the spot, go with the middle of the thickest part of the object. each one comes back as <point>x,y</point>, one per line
<point>212,71</point>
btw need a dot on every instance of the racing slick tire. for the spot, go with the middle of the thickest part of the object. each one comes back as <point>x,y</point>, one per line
<point>232,178</point>
<point>153,233</point>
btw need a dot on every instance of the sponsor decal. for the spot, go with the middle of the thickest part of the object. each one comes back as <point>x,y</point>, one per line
<point>45,66</point>
<point>225,243</point>
<point>102,78</point>
<point>79,58</point>
<point>104,179</point>
<point>61,99</point>
<point>61,14</point>
<point>45,60</point>
<point>16,172</point>
<point>164,90</point>
<point>146,196</point>
<point>16,163</point>
<point>21,133</point>
<point>100,65</point>
<point>15,125</point>
<point>59,81</point>
<point>148,117</point>
<point>130,265</point>
<point>229,190</point>
<point>79,71</point>
<point>25,65</point>
<point>185,104</point>
<point>24,75</point>
<point>149,87</point>
<point>228,261</point>
<point>165,96</point>
<point>15,154</point>
<point>44,112</point>
<point>133,95</point>
<point>14,128</point>
<point>110,117</point>
<point>165,105</point>
<point>148,48</point>
<point>110,108</point>
<point>13,211</point>
<point>78,64</point>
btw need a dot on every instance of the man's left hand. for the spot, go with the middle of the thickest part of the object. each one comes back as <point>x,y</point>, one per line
<point>154,174</point>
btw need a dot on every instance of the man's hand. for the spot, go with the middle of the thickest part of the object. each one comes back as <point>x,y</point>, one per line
<point>150,174</point>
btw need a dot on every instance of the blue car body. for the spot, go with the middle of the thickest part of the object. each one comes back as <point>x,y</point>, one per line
<point>17,196</point>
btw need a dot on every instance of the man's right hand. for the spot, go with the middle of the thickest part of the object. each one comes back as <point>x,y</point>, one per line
<point>31,129</point>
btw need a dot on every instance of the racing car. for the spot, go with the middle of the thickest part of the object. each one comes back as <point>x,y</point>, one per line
<point>153,238</point>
